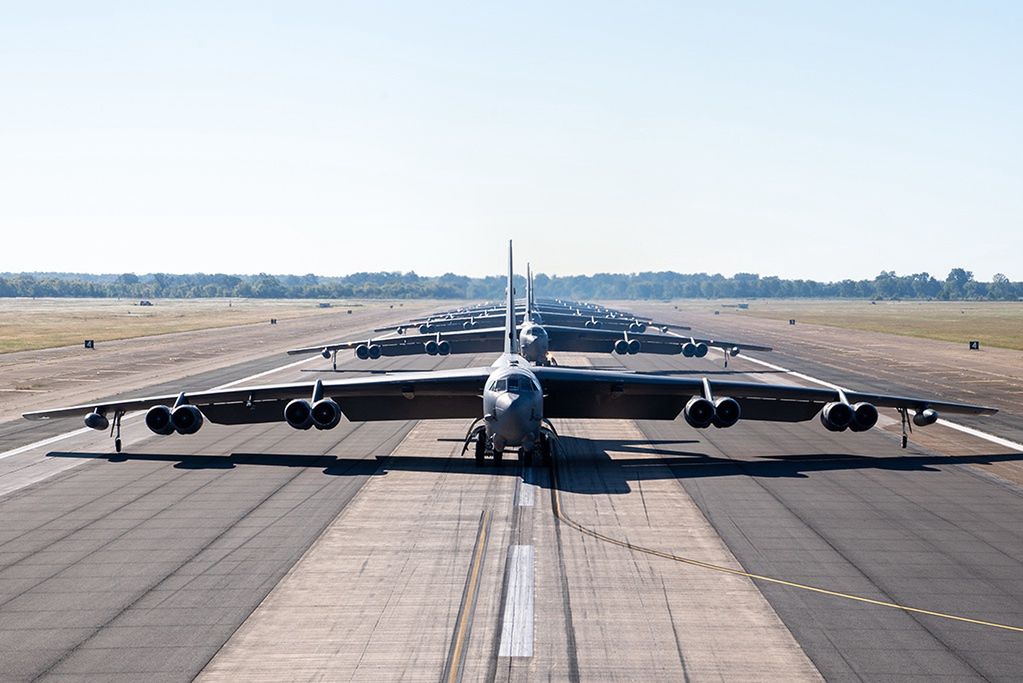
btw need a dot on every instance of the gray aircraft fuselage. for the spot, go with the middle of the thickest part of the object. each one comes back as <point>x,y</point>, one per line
<point>512,404</point>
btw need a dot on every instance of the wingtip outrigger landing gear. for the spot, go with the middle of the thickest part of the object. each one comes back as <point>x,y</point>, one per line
<point>333,359</point>
<point>907,425</point>
<point>115,429</point>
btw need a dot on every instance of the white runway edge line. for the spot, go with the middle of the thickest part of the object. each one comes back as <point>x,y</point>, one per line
<point>517,625</point>
<point>130,416</point>
<point>942,421</point>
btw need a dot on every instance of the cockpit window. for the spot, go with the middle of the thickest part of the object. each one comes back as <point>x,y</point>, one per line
<point>514,384</point>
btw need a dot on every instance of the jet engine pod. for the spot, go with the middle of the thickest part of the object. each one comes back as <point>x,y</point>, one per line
<point>640,327</point>
<point>864,417</point>
<point>375,351</point>
<point>634,346</point>
<point>634,327</point>
<point>837,416</point>
<point>424,329</point>
<point>699,412</point>
<point>96,421</point>
<point>701,350</point>
<point>588,324</point>
<point>362,352</point>
<point>299,414</point>
<point>326,414</point>
<point>726,412</point>
<point>186,419</point>
<point>443,347</point>
<point>734,351</point>
<point>621,347</point>
<point>158,419</point>
<point>431,347</point>
<point>325,353</point>
<point>925,417</point>
<point>689,349</point>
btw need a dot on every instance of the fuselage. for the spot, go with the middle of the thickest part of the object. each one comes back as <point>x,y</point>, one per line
<point>534,342</point>
<point>512,404</point>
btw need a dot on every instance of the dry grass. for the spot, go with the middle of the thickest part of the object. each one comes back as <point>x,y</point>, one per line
<point>995,323</point>
<point>45,323</point>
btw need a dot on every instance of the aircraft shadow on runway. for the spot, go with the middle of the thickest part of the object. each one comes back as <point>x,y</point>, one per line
<point>585,466</point>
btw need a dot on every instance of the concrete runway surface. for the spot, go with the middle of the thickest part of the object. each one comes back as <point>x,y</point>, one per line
<point>376,552</point>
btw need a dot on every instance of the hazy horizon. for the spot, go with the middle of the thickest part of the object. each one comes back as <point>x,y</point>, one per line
<point>805,141</point>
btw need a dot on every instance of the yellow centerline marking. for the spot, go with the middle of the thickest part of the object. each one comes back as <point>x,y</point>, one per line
<point>561,516</point>
<point>469,599</point>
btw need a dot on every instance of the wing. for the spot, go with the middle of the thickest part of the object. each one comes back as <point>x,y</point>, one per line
<point>484,340</point>
<point>601,340</point>
<point>408,396</point>
<point>592,393</point>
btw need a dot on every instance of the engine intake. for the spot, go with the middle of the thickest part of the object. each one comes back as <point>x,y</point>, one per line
<point>158,419</point>
<point>701,350</point>
<point>837,416</point>
<point>187,419</point>
<point>362,352</point>
<point>621,347</point>
<point>325,353</point>
<point>925,417</point>
<point>375,351</point>
<point>699,412</point>
<point>689,349</point>
<point>431,347</point>
<point>299,414</point>
<point>727,412</point>
<point>443,347</point>
<point>634,346</point>
<point>864,417</point>
<point>326,414</point>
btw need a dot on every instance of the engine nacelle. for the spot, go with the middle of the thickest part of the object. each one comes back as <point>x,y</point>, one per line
<point>837,416</point>
<point>299,414</point>
<point>443,347</point>
<point>362,352</point>
<point>701,350</point>
<point>734,351</point>
<point>424,329</point>
<point>326,413</point>
<point>158,419</point>
<point>864,417</point>
<point>325,353</point>
<point>621,347</point>
<point>186,419</point>
<point>634,346</point>
<point>375,351</point>
<point>689,349</point>
<point>699,412</point>
<point>588,324</point>
<point>96,421</point>
<point>431,347</point>
<point>726,412</point>
<point>925,417</point>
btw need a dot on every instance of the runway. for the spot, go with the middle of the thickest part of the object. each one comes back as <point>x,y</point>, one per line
<point>377,552</point>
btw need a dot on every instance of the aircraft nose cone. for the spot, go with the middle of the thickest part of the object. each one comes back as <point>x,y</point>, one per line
<point>515,415</point>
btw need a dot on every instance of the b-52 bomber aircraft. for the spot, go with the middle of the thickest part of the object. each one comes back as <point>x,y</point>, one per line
<point>512,403</point>
<point>553,312</point>
<point>537,340</point>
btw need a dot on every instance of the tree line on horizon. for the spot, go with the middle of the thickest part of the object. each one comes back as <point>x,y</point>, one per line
<point>958,285</point>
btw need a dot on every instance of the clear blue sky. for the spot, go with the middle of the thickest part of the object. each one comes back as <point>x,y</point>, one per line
<point>820,140</point>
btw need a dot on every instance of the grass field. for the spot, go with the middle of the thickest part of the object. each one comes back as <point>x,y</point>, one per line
<point>45,323</point>
<point>995,323</point>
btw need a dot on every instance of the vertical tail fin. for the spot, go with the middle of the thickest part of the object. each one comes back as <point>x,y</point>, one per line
<point>529,293</point>
<point>511,339</point>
